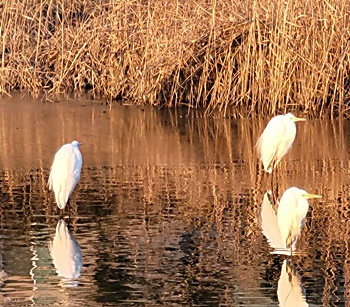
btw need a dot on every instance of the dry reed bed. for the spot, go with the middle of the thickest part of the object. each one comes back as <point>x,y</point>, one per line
<point>243,58</point>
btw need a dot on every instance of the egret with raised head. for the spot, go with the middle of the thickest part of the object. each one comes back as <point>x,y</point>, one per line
<point>291,214</point>
<point>277,139</point>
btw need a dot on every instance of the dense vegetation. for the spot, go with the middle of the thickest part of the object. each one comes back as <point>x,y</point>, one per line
<point>242,58</point>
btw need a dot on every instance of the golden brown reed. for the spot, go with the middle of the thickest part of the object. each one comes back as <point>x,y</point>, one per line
<point>242,58</point>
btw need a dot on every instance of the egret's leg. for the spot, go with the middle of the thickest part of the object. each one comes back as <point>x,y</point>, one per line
<point>274,189</point>
<point>274,196</point>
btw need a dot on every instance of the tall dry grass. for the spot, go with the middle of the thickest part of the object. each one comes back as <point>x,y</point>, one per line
<point>242,58</point>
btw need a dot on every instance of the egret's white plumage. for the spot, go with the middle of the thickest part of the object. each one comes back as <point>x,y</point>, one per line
<point>291,213</point>
<point>277,139</point>
<point>65,172</point>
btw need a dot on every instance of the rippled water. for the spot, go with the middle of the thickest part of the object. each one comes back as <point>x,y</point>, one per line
<point>167,211</point>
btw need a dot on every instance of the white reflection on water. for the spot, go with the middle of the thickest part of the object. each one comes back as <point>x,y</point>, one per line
<point>65,252</point>
<point>289,290</point>
<point>270,227</point>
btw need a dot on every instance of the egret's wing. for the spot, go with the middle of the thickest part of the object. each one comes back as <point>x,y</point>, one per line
<point>286,214</point>
<point>61,163</point>
<point>301,211</point>
<point>58,166</point>
<point>50,181</point>
<point>74,165</point>
<point>270,141</point>
<point>65,173</point>
<point>287,139</point>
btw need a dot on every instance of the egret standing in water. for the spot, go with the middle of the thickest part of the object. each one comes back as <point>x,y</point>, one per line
<point>291,214</point>
<point>65,172</point>
<point>277,139</point>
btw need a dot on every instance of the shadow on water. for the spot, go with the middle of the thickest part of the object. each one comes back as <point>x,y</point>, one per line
<point>167,210</point>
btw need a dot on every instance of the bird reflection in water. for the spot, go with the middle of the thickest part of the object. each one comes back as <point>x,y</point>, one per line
<point>268,219</point>
<point>289,290</point>
<point>66,253</point>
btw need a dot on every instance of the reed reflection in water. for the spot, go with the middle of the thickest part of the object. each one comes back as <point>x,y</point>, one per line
<point>167,208</point>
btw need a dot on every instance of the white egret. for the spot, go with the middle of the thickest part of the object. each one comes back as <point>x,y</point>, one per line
<point>277,139</point>
<point>291,214</point>
<point>65,172</point>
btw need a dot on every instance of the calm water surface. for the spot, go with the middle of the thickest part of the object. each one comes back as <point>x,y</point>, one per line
<point>170,210</point>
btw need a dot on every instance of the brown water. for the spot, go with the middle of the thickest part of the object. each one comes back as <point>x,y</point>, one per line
<point>167,211</point>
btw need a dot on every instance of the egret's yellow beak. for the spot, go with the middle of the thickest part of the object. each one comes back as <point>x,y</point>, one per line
<point>309,196</point>
<point>298,119</point>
